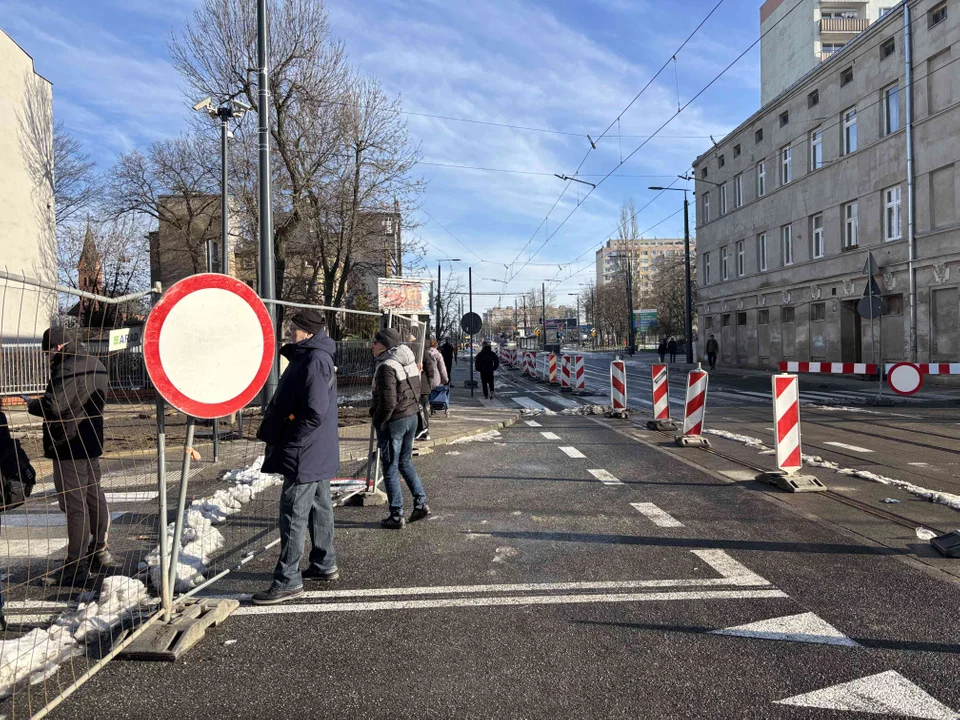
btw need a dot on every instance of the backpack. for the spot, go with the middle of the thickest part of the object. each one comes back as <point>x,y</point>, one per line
<point>18,477</point>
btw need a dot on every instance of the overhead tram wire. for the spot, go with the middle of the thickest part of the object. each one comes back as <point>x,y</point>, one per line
<point>455,237</point>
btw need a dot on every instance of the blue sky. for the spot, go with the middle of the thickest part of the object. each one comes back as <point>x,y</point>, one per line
<point>569,66</point>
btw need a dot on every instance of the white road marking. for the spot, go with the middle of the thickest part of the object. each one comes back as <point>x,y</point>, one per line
<point>854,448</point>
<point>572,452</point>
<point>656,515</point>
<point>526,402</point>
<point>550,436</point>
<point>533,423</point>
<point>43,520</point>
<point>739,475</point>
<point>605,477</point>
<point>887,693</point>
<point>805,627</point>
<point>565,402</point>
<point>120,497</point>
<point>31,549</point>
<point>919,464</point>
<point>511,601</point>
<point>726,566</point>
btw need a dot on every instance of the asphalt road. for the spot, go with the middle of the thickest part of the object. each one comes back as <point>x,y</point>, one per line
<point>574,569</point>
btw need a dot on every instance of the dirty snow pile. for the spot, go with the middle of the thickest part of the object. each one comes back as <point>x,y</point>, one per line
<point>534,412</point>
<point>36,656</point>
<point>360,397</point>
<point>482,437</point>
<point>934,496</point>
<point>586,410</point>
<point>200,539</point>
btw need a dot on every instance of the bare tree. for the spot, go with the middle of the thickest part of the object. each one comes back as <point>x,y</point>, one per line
<point>449,321</point>
<point>76,184</point>
<point>669,294</point>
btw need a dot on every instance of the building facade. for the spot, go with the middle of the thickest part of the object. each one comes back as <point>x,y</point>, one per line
<point>791,203</point>
<point>612,259</point>
<point>28,241</point>
<point>796,37</point>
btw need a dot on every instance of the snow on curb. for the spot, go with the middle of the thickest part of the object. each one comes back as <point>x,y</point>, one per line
<point>534,412</point>
<point>200,539</point>
<point>360,397</point>
<point>934,496</point>
<point>36,656</point>
<point>482,437</point>
<point>586,410</point>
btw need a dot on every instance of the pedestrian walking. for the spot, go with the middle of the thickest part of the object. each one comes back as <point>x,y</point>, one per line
<point>448,351</point>
<point>300,429</point>
<point>662,349</point>
<point>713,347</point>
<point>672,349</point>
<point>443,374</point>
<point>487,363</point>
<point>396,390</point>
<point>72,411</point>
<point>429,379</point>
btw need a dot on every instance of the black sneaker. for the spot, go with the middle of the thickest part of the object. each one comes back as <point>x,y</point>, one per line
<point>393,523</point>
<point>69,574</point>
<point>276,595</point>
<point>420,513</point>
<point>101,559</point>
<point>325,575</point>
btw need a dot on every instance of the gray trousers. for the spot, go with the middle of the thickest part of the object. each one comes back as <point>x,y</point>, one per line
<point>81,498</point>
<point>303,506</point>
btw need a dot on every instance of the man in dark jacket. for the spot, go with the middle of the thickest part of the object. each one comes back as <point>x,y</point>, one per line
<point>300,429</point>
<point>712,348</point>
<point>428,370</point>
<point>486,363</point>
<point>662,349</point>
<point>72,412</point>
<point>396,391</point>
<point>672,349</point>
<point>448,351</point>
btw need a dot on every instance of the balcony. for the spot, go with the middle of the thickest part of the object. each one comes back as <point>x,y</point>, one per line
<point>843,25</point>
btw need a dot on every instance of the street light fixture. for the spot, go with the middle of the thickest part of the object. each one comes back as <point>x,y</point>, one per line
<point>439,316</point>
<point>576,180</point>
<point>686,250</point>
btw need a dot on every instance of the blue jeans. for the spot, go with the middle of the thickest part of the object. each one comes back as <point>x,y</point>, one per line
<point>303,505</point>
<point>396,458</point>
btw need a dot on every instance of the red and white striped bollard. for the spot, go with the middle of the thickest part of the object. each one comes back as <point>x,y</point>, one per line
<point>789,451</point>
<point>660,384</point>
<point>695,410</point>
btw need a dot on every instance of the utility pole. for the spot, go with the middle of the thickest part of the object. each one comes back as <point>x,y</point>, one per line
<point>688,319</point>
<point>515,328</point>
<point>543,314</point>
<point>470,281</point>
<point>224,205</point>
<point>631,333</point>
<point>268,289</point>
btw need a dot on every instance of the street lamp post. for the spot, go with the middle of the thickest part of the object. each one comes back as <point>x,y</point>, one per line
<point>579,334</point>
<point>268,282</point>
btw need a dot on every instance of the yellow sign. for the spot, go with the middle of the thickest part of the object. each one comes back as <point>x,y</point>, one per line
<point>537,332</point>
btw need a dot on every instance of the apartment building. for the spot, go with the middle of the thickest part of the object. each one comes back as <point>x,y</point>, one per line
<point>798,36</point>
<point>791,202</point>
<point>612,259</point>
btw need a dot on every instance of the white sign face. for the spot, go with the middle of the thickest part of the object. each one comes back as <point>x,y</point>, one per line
<point>209,345</point>
<point>905,378</point>
<point>123,338</point>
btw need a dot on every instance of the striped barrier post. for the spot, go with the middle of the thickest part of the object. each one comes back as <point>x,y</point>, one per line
<point>829,367</point>
<point>565,384</point>
<point>788,449</point>
<point>579,375</point>
<point>618,385</point>
<point>660,384</point>
<point>552,369</point>
<point>695,410</point>
<point>533,365</point>
<point>526,363</point>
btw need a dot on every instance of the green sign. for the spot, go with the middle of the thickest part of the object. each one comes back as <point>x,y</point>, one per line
<point>645,321</point>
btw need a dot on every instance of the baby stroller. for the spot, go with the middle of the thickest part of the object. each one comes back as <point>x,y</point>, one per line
<point>440,400</point>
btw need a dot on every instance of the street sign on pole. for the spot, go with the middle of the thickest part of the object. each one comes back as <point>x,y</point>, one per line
<point>209,345</point>
<point>905,378</point>
<point>471,323</point>
<point>870,267</point>
<point>871,304</point>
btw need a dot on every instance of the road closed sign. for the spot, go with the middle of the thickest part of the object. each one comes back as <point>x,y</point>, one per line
<point>905,378</point>
<point>209,345</point>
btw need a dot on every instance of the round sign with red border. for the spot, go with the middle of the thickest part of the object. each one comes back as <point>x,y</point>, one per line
<point>209,345</point>
<point>905,378</point>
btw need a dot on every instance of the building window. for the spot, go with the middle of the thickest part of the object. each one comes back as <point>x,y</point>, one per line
<point>736,150</point>
<point>706,207</point>
<point>849,143</point>
<point>816,149</point>
<point>787,315</point>
<point>813,98</point>
<point>888,48</point>
<point>724,270</point>
<point>703,172</point>
<point>891,109</point>
<point>720,161</point>
<point>723,199</point>
<point>818,312</point>
<point>786,165</point>
<point>884,11</point>
<point>851,225</point>
<point>741,259</point>
<point>741,319</point>
<point>763,317</point>
<point>786,237</point>
<point>706,268</point>
<point>761,179</point>
<point>738,191</point>
<point>846,76</point>
<point>817,235</point>
<point>828,49</point>
<point>784,118</point>
<point>708,321</point>
<point>937,15</point>
<point>893,305</point>
<point>758,136</point>
<point>725,320</point>
<point>762,252</point>
<point>891,213</point>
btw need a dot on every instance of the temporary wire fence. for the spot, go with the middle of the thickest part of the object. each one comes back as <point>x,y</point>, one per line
<point>68,607</point>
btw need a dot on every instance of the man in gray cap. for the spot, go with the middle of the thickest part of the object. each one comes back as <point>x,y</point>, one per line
<point>300,429</point>
<point>72,412</point>
<point>396,394</point>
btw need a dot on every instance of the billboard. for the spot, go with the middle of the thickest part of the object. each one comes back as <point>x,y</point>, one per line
<point>645,321</point>
<point>405,296</point>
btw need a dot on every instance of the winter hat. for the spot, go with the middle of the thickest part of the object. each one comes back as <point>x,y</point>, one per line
<point>52,337</point>
<point>311,321</point>
<point>388,337</point>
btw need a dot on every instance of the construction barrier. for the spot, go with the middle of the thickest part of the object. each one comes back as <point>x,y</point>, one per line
<point>618,385</point>
<point>694,409</point>
<point>786,421</point>
<point>552,369</point>
<point>661,392</point>
<point>829,367</point>
<point>532,366</point>
<point>565,384</point>
<point>579,375</point>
